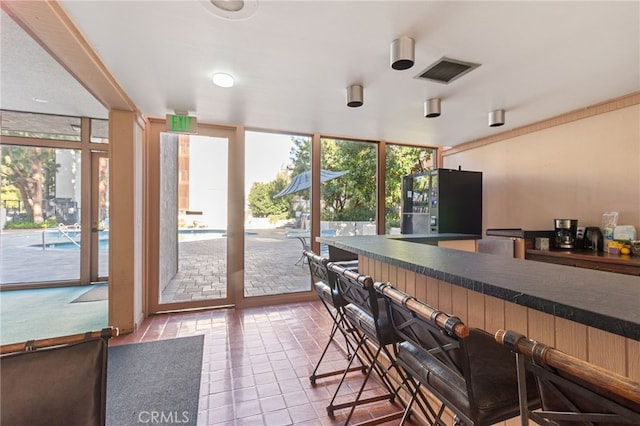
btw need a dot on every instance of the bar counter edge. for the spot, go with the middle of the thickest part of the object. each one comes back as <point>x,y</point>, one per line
<point>602,300</point>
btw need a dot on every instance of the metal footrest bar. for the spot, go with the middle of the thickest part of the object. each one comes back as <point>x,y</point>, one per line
<point>350,404</point>
<point>348,350</point>
<point>334,373</point>
<point>423,403</point>
<point>382,419</point>
<point>383,373</point>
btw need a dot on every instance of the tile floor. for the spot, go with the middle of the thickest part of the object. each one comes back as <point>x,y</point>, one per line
<point>257,362</point>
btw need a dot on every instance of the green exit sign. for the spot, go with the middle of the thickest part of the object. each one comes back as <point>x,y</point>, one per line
<point>182,123</point>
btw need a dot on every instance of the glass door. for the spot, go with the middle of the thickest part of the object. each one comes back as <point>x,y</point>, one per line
<point>193,231</point>
<point>99,269</point>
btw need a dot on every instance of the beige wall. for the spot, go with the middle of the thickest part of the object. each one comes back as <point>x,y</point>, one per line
<point>575,170</point>
<point>126,139</point>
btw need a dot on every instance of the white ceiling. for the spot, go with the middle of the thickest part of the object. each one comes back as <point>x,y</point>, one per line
<point>293,60</point>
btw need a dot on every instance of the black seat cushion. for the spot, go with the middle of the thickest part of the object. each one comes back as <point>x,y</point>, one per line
<point>364,321</point>
<point>324,292</point>
<point>492,376</point>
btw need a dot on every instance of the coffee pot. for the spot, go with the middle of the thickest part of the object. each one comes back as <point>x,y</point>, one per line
<point>565,233</point>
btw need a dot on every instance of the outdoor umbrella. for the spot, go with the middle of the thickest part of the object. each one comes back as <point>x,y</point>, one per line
<point>303,181</point>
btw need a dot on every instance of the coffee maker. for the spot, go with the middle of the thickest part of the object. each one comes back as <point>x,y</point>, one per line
<point>565,233</point>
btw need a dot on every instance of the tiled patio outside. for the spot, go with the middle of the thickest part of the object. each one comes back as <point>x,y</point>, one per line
<point>271,267</point>
<point>270,264</point>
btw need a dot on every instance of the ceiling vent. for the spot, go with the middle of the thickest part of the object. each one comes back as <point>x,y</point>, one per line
<point>446,70</point>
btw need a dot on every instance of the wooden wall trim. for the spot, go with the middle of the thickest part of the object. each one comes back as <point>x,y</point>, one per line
<point>579,114</point>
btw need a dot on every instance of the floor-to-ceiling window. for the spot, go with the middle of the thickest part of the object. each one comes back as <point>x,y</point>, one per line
<point>401,160</point>
<point>262,182</point>
<point>46,200</point>
<point>53,225</point>
<point>277,206</point>
<point>348,190</point>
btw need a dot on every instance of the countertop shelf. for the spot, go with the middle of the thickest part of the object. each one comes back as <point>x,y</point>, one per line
<point>624,263</point>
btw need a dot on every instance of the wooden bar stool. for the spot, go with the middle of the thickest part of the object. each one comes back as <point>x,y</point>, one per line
<point>572,391</point>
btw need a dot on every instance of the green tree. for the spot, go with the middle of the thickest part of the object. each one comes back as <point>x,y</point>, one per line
<point>401,160</point>
<point>300,154</point>
<point>261,201</point>
<point>353,196</point>
<point>31,170</point>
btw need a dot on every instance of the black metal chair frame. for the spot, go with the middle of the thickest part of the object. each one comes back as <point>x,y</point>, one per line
<point>435,340</point>
<point>334,305</point>
<point>581,392</point>
<point>443,341</point>
<point>364,308</point>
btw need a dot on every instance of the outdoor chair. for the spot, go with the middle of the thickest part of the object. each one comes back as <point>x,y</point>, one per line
<point>462,367</point>
<point>323,282</point>
<point>366,313</point>
<point>572,391</point>
<point>61,380</point>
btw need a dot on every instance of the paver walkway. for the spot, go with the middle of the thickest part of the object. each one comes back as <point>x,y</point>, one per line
<point>270,267</point>
<point>270,264</point>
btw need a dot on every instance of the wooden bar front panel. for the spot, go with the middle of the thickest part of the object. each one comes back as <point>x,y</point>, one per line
<point>610,351</point>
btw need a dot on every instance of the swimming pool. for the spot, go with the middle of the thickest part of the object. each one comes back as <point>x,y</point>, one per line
<point>184,235</point>
<point>103,244</point>
<point>199,234</point>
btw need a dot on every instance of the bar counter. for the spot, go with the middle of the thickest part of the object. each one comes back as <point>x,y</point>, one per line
<point>593,315</point>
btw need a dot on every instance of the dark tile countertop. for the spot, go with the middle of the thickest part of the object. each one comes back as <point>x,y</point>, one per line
<point>603,300</point>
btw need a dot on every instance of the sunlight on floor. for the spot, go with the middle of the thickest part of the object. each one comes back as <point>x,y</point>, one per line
<point>41,313</point>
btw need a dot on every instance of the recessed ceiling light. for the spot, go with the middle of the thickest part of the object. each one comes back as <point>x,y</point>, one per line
<point>42,101</point>
<point>231,9</point>
<point>223,80</point>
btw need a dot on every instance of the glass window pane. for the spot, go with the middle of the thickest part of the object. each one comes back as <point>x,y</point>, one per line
<point>40,126</point>
<point>348,192</point>
<point>402,160</point>
<point>277,213</point>
<point>193,218</point>
<point>103,217</point>
<point>99,131</point>
<point>40,214</point>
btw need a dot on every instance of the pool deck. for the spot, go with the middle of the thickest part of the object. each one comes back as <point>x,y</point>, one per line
<point>270,264</point>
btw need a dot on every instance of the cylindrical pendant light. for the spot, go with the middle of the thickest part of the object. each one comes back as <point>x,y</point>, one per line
<point>496,118</point>
<point>432,108</point>
<point>402,53</point>
<point>355,96</point>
